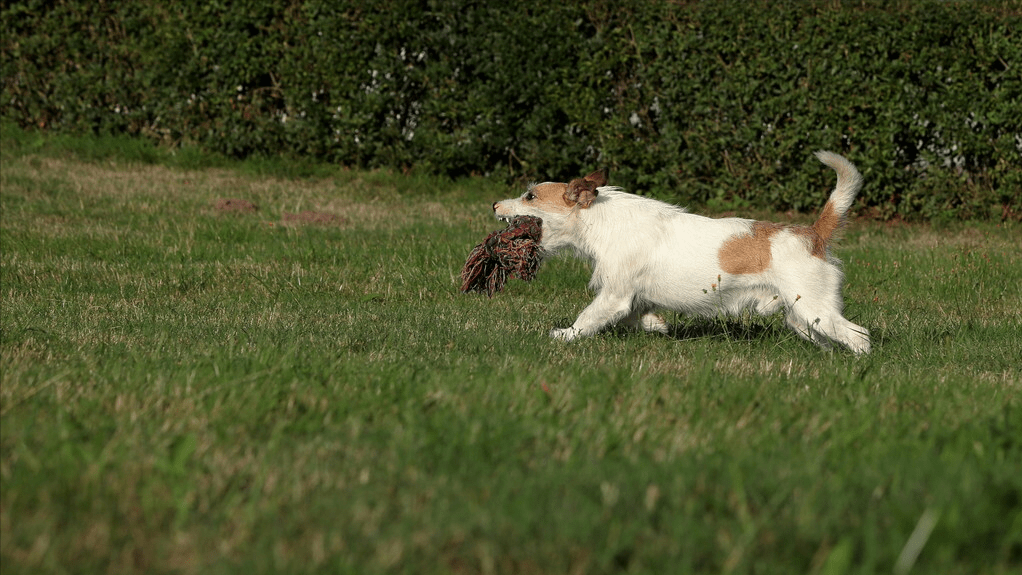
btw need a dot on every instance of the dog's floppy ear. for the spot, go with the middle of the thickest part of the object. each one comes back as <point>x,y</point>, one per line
<point>599,178</point>
<point>582,191</point>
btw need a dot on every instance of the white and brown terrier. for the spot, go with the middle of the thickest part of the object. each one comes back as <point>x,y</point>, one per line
<point>647,254</point>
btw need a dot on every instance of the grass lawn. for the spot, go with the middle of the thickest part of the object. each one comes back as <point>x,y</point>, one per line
<point>191,390</point>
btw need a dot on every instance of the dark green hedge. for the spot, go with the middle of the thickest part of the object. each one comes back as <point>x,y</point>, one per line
<point>705,102</point>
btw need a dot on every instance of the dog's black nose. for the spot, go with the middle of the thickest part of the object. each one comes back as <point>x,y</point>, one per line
<point>494,206</point>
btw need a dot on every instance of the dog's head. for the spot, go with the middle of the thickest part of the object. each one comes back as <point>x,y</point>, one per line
<point>552,199</point>
<point>554,203</point>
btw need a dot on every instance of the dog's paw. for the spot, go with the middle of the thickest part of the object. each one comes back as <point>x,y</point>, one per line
<point>564,334</point>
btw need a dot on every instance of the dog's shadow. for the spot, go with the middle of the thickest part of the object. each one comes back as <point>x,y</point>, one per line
<point>723,328</point>
<point>736,329</point>
<point>742,329</point>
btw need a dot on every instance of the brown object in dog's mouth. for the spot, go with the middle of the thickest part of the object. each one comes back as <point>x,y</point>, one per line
<point>511,252</point>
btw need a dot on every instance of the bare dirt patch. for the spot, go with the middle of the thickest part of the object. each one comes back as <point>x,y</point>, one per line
<point>235,206</point>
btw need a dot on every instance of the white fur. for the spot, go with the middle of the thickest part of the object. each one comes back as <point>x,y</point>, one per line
<point>647,254</point>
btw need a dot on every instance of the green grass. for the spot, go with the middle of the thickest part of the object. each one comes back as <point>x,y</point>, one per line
<point>185,391</point>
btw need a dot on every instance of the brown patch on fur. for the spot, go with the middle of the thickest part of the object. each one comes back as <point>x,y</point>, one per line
<point>563,198</point>
<point>819,235</point>
<point>553,196</point>
<point>748,253</point>
<point>829,222</point>
<point>816,244</point>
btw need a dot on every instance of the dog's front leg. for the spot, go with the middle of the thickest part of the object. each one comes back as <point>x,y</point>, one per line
<point>605,310</point>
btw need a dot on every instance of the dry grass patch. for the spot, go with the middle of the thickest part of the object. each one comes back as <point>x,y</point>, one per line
<point>173,192</point>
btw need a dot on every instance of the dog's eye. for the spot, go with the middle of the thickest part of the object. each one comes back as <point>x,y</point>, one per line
<point>530,196</point>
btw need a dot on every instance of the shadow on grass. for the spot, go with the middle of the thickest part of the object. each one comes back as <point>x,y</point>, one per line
<point>729,329</point>
<point>684,328</point>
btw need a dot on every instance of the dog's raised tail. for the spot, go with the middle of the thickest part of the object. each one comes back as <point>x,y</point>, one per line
<point>835,212</point>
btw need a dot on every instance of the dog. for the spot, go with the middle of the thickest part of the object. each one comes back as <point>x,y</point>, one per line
<point>648,255</point>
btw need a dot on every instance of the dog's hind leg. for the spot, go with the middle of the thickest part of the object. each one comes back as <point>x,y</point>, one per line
<point>837,328</point>
<point>645,320</point>
<point>825,325</point>
<point>654,322</point>
<point>766,302</point>
<point>804,327</point>
<point>607,309</point>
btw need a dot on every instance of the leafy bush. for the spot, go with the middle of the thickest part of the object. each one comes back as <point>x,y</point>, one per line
<point>715,103</point>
